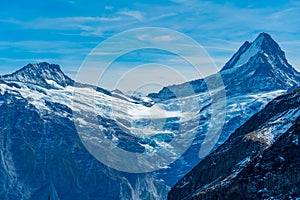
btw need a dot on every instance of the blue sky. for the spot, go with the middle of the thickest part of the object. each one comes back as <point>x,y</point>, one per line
<point>65,31</point>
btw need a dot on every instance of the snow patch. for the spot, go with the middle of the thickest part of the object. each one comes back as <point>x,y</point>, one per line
<point>274,128</point>
<point>245,57</point>
<point>54,84</point>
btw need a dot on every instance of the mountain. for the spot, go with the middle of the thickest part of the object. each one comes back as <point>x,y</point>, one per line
<point>42,74</point>
<point>260,160</point>
<point>42,154</point>
<point>263,64</point>
<point>257,73</point>
<point>49,127</point>
<point>256,67</point>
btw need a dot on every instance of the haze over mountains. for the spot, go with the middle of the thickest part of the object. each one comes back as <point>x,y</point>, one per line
<point>43,155</point>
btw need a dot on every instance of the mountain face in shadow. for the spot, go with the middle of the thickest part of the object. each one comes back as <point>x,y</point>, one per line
<point>260,160</point>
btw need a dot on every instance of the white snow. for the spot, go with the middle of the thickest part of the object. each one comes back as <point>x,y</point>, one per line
<point>281,158</point>
<point>295,140</point>
<point>244,58</point>
<point>274,128</point>
<point>146,99</point>
<point>54,84</point>
<point>183,184</point>
<point>253,50</point>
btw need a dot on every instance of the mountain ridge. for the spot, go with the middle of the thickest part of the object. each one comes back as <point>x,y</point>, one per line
<point>265,68</point>
<point>42,74</point>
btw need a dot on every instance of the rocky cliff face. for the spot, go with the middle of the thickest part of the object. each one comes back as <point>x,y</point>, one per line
<point>259,161</point>
<point>42,155</point>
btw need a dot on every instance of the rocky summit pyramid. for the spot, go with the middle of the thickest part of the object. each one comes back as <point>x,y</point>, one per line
<point>42,74</point>
<point>259,66</point>
<point>263,44</point>
<point>256,67</point>
<point>257,73</point>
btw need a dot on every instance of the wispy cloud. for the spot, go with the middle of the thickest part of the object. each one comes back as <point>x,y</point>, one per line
<point>66,54</point>
<point>200,17</point>
<point>108,8</point>
<point>133,13</point>
<point>50,47</point>
<point>64,23</point>
<point>154,39</point>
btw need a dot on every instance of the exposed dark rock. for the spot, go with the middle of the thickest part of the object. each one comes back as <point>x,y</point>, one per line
<point>251,165</point>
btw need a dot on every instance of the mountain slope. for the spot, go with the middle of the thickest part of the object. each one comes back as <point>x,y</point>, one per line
<point>259,160</point>
<point>43,155</point>
<point>41,151</point>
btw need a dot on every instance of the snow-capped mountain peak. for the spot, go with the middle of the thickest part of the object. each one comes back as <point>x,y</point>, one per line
<point>42,74</point>
<point>259,66</point>
<point>263,44</point>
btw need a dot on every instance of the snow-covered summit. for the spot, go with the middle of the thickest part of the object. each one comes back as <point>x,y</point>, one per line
<point>263,44</point>
<point>255,67</point>
<point>259,66</point>
<point>42,74</point>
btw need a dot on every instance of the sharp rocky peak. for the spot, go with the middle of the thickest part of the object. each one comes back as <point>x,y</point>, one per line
<point>267,45</point>
<point>259,66</point>
<point>42,74</point>
<point>263,44</point>
<point>263,38</point>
